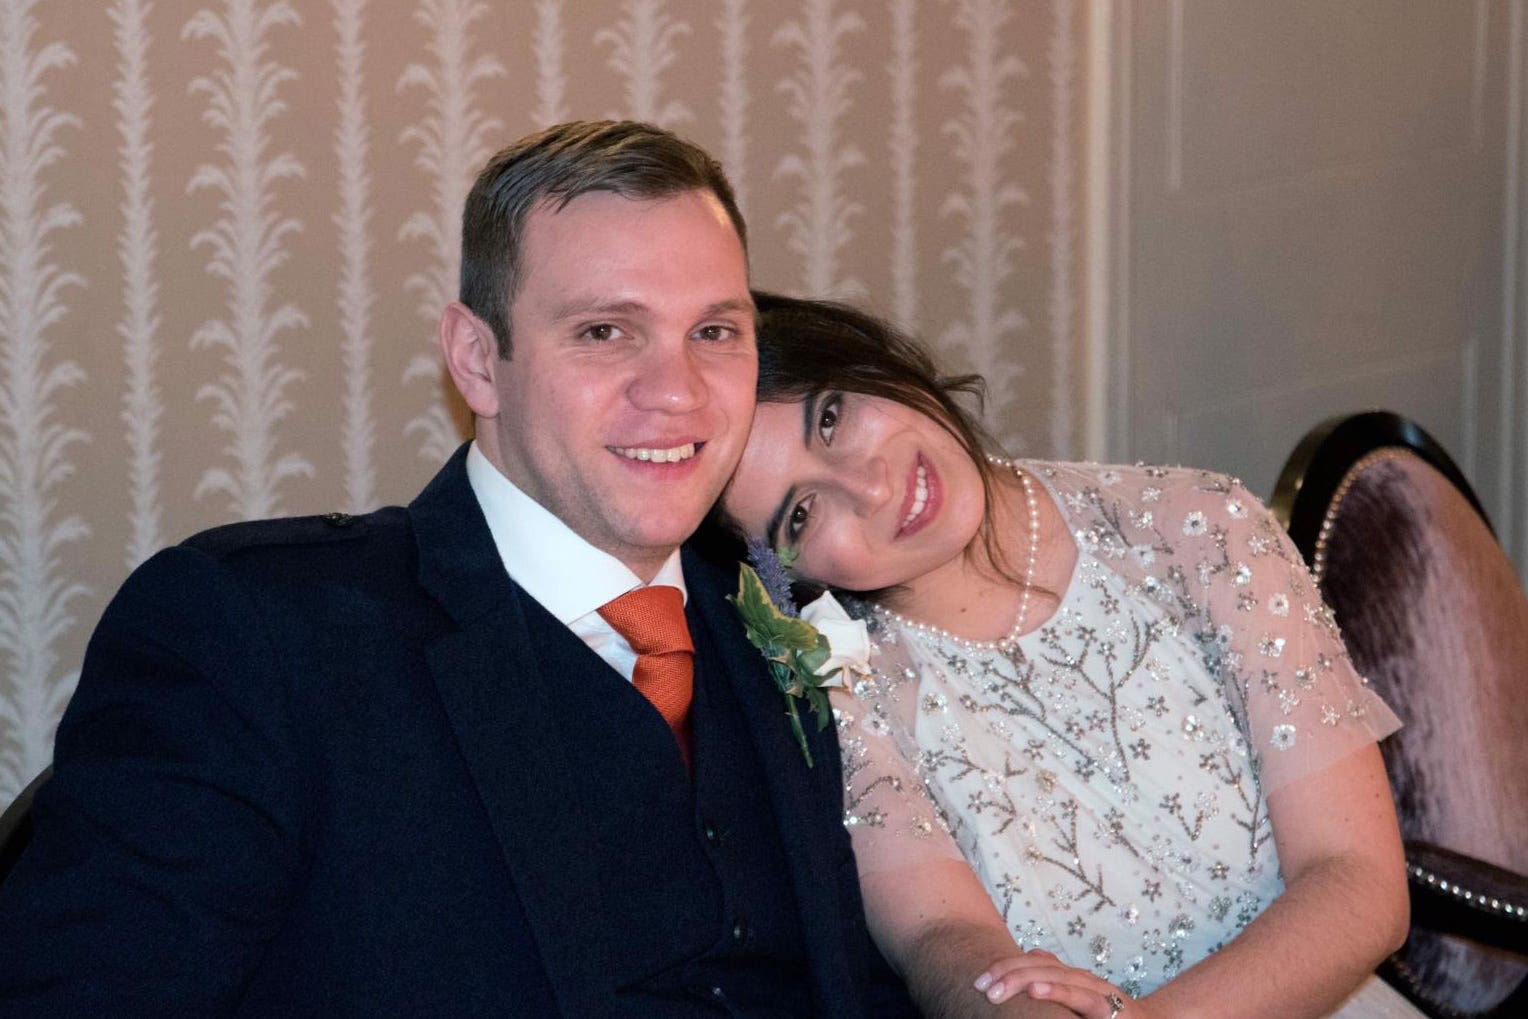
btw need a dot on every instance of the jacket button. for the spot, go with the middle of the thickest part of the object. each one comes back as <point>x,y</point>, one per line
<point>713,837</point>
<point>739,933</point>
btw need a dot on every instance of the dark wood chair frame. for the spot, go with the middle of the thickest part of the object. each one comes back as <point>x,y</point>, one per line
<point>1320,463</point>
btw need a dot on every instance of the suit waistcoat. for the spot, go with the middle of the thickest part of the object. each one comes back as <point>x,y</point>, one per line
<point>698,908</point>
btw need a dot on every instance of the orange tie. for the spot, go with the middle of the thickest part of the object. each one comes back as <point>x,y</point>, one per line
<point>652,621</point>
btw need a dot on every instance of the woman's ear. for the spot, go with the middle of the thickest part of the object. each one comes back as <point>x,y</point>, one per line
<point>472,358</point>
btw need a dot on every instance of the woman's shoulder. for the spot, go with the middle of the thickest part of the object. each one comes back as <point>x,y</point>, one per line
<point>1126,505</point>
<point>1139,482</point>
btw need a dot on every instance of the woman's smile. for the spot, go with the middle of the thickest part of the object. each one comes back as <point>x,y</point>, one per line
<point>923,496</point>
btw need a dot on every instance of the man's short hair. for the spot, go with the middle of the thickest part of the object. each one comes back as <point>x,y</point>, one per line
<point>550,169</point>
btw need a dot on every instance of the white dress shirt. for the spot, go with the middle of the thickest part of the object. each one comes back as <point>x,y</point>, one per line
<point>567,575</point>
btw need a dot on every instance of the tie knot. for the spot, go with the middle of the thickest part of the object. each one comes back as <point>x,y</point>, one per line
<point>651,619</point>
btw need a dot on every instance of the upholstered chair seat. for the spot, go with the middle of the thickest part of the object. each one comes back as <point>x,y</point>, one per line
<point>1436,618</point>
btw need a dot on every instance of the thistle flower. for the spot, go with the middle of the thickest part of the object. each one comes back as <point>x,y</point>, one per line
<point>766,563</point>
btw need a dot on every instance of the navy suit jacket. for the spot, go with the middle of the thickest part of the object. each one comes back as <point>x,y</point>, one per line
<point>319,766</point>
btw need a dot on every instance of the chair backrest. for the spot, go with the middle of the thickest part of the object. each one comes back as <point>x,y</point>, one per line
<point>1436,618</point>
<point>16,825</point>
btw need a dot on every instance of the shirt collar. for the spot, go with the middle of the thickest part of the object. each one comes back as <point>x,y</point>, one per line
<point>562,571</point>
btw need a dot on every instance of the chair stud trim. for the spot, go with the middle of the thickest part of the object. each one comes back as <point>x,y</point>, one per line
<point>1318,559</point>
<point>1459,892</point>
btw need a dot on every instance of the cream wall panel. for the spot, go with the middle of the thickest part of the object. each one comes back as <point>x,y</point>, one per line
<point>227,226</point>
<point>1260,93</point>
<point>1308,203</point>
<point>1429,385</point>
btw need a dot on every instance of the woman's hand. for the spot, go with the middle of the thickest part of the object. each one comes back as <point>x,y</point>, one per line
<point>1042,976</point>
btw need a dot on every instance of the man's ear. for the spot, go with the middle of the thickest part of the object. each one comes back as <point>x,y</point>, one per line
<point>472,357</point>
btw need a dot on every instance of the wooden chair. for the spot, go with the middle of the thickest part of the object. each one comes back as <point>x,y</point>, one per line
<point>1434,615</point>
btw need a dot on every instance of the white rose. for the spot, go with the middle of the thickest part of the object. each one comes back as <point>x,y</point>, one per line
<point>848,641</point>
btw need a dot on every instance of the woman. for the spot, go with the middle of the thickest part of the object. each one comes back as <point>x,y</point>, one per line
<point>1112,690</point>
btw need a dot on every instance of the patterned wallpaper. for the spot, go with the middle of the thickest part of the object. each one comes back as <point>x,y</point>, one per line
<point>227,227</point>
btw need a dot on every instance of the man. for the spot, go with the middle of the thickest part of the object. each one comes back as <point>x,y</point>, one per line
<point>418,762</point>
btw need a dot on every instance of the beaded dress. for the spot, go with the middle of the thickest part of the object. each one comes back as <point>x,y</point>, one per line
<point>1107,775</point>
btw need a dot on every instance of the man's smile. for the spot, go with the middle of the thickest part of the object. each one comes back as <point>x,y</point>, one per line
<point>672,454</point>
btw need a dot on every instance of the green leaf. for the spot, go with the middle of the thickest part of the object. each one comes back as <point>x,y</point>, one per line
<point>769,629</point>
<point>752,600</point>
<point>792,647</point>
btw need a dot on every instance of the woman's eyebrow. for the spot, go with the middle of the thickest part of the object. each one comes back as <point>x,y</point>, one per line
<point>808,415</point>
<point>772,531</point>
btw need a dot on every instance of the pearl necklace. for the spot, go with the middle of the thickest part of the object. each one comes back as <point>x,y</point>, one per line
<point>1008,643</point>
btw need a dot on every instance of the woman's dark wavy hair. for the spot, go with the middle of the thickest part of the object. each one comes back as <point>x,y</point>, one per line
<point>808,347</point>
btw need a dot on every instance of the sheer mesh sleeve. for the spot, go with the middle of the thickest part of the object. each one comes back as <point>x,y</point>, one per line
<point>1273,643</point>
<point>892,819</point>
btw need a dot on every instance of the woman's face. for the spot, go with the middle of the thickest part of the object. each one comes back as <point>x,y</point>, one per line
<point>866,491</point>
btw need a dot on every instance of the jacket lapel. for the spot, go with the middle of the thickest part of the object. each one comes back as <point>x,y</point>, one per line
<point>507,727</point>
<point>796,792</point>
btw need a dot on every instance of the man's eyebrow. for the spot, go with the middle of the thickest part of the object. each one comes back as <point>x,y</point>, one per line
<point>808,415</point>
<point>579,307</point>
<point>734,305</point>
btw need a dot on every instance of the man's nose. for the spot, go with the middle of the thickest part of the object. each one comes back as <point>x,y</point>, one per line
<point>668,378</point>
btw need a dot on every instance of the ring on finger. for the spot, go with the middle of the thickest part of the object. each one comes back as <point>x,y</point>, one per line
<point>1116,1003</point>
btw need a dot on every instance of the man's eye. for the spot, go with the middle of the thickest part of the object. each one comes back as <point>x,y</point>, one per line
<point>714,333</point>
<point>601,331</point>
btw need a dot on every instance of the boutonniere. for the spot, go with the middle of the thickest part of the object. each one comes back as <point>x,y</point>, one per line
<point>808,651</point>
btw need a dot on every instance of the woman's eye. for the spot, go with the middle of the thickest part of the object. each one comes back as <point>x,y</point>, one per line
<point>800,514</point>
<point>827,419</point>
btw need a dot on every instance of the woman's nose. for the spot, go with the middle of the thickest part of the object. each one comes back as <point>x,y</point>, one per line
<point>868,484</point>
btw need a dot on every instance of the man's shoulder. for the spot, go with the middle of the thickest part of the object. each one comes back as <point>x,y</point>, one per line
<point>278,533</point>
<point>329,548</point>
<point>287,578</point>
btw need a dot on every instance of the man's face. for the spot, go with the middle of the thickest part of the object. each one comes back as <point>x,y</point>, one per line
<point>627,400</point>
